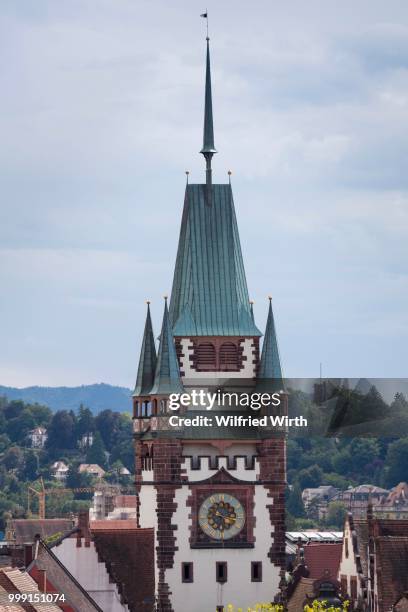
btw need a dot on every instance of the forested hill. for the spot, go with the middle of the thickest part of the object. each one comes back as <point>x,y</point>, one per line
<point>96,397</point>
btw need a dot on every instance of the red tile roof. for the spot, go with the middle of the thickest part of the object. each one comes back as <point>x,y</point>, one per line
<point>129,559</point>
<point>323,559</point>
<point>392,560</point>
<point>125,501</point>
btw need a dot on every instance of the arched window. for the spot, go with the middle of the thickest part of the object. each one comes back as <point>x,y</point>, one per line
<point>163,406</point>
<point>205,357</point>
<point>146,408</point>
<point>229,357</point>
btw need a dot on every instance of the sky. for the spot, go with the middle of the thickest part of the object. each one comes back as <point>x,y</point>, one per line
<point>101,113</point>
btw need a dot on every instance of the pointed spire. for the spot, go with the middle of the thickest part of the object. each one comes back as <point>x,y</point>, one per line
<point>167,376</point>
<point>208,149</point>
<point>270,367</point>
<point>147,361</point>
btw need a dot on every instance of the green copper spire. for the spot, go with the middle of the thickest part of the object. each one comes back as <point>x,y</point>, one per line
<point>167,377</point>
<point>269,367</point>
<point>147,361</point>
<point>210,294</point>
<point>208,149</point>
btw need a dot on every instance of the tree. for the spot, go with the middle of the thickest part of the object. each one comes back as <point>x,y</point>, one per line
<point>396,462</point>
<point>310,477</point>
<point>85,422</point>
<point>336,513</point>
<point>13,458</point>
<point>294,503</point>
<point>96,453</point>
<point>4,442</point>
<point>19,427</point>
<point>364,452</point>
<point>32,465</point>
<point>61,432</point>
<point>75,479</point>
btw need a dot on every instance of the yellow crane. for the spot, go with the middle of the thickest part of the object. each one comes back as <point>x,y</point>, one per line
<point>43,492</point>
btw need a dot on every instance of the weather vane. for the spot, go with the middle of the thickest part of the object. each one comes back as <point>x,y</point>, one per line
<point>205,15</point>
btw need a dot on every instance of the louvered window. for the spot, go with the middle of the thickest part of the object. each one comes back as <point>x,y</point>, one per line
<point>205,355</point>
<point>228,357</point>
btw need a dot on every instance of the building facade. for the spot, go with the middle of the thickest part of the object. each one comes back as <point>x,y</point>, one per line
<point>213,494</point>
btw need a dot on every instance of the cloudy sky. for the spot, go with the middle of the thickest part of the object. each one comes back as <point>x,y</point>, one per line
<point>101,114</point>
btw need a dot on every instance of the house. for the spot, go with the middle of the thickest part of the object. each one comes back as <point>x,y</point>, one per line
<point>38,437</point>
<point>59,470</point>
<point>322,493</point>
<point>24,531</point>
<point>356,499</point>
<point>395,505</point>
<point>316,500</point>
<point>15,581</point>
<point>374,562</point>
<point>314,575</point>
<point>124,508</point>
<point>52,576</point>
<point>112,560</point>
<point>93,469</point>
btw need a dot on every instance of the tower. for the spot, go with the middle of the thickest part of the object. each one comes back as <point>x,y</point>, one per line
<point>214,494</point>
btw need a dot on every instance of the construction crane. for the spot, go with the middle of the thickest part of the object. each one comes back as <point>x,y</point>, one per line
<point>43,492</point>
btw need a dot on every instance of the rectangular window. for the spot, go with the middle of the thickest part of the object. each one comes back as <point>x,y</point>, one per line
<point>256,571</point>
<point>187,572</point>
<point>221,571</point>
<point>343,581</point>
<point>353,587</point>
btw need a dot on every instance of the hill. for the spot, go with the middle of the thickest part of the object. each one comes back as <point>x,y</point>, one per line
<point>97,397</point>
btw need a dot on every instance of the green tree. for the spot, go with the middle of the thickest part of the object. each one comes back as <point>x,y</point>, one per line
<point>4,442</point>
<point>19,427</point>
<point>96,453</point>
<point>61,432</point>
<point>364,452</point>
<point>310,477</point>
<point>32,466</point>
<point>396,463</point>
<point>294,502</point>
<point>336,513</point>
<point>85,422</point>
<point>13,458</point>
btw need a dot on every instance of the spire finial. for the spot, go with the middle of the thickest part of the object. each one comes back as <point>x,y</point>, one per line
<point>208,149</point>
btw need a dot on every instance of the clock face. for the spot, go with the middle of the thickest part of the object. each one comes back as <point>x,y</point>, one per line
<point>221,516</point>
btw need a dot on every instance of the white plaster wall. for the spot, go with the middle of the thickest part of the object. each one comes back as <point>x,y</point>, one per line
<point>91,574</point>
<point>348,565</point>
<point>205,472</point>
<point>205,448</point>
<point>205,593</point>
<point>248,370</point>
<point>148,515</point>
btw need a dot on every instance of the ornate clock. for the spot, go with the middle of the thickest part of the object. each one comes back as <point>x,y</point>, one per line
<point>221,516</point>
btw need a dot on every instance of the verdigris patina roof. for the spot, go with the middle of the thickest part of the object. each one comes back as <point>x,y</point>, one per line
<point>210,295</point>
<point>167,377</point>
<point>270,367</point>
<point>147,361</point>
